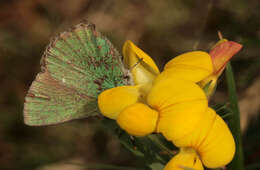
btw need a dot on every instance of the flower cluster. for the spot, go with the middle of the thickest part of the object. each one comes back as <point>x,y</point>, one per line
<point>174,103</point>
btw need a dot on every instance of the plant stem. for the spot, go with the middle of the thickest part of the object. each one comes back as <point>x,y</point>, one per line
<point>234,122</point>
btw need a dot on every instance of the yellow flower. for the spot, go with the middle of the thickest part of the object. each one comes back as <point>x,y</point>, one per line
<point>211,139</point>
<point>220,54</point>
<point>187,121</point>
<point>187,158</point>
<point>173,104</point>
<point>144,72</point>
<point>126,104</point>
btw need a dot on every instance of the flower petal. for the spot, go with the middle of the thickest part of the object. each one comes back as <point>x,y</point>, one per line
<point>195,138</point>
<point>112,101</point>
<point>218,149</point>
<point>167,92</point>
<point>186,158</point>
<point>193,66</point>
<point>180,120</point>
<point>211,139</point>
<point>142,67</point>
<point>180,104</point>
<point>138,119</point>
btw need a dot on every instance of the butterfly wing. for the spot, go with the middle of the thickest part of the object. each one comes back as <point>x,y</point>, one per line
<point>76,66</point>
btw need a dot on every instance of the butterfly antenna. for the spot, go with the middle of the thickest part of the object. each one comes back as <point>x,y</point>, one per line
<point>138,62</point>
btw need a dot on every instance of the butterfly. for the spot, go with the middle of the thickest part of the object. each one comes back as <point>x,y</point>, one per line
<point>76,66</point>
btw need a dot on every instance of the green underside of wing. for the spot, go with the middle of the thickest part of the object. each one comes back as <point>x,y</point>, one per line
<point>51,102</point>
<point>76,67</point>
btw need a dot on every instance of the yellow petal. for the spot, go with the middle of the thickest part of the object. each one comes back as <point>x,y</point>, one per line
<point>218,149</point>
<point>180,104</point>
<point>195,138</point>
<point>186,158</point>
<point>167,92</point>
<point>180,120</point>
<point>112,101</point>
<point>211,139</point>
<point>193,66</point>
<point>142,67</point>
<point>138,119</point>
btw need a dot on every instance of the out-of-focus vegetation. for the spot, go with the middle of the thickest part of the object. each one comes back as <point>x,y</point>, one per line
<point>163,29</point>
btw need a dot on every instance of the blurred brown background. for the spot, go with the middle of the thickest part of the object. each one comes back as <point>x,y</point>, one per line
<point>163,29</point>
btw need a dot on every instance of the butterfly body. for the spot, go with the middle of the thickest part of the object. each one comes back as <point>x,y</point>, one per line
<point>75,67</point>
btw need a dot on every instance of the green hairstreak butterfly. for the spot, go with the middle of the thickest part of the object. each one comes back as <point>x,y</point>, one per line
<point>75,67</point>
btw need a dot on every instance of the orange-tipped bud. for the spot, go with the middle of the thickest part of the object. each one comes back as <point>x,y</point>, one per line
<point>220,54</point>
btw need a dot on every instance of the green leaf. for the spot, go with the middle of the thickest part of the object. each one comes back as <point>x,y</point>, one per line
<point>155,139</point>
<point>223,110</point>
<point>234,122</point>
<point>149,149</point>
<point>76,66</point>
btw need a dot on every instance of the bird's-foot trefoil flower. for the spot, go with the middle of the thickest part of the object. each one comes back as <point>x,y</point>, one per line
<point>171,103</point>
<point>128,103</point>
<point>187,121</point>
